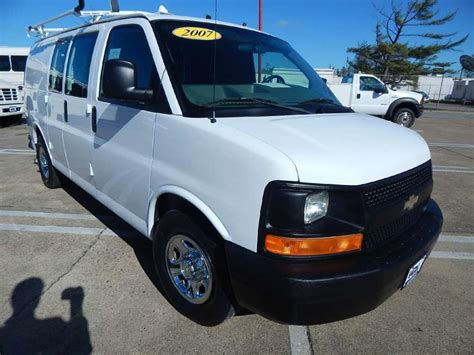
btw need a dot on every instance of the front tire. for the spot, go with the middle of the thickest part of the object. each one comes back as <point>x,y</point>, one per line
<point>187,263</point>
<point>404,116</point>
<point>48,173</point>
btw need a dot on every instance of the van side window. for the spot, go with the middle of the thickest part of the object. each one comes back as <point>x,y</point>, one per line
<point>57,65</point>
<point>80,58</point>
<point>129,43</point>
<point>4,63</point>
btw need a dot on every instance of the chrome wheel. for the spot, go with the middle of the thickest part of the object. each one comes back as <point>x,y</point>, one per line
<point>404,118</point>
<point>189,269</point>
<point>43,163</point>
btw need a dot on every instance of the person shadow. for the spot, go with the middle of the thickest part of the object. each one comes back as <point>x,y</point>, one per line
<point>23,333</point>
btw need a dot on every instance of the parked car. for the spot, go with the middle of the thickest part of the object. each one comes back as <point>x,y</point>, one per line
<point>12,67</point>
<point>365,93</point>
<point>257,194</point>
<point>426,97</point>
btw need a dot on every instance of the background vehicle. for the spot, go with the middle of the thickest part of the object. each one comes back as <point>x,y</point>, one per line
<point>12,68</point>
<point>365,93</point>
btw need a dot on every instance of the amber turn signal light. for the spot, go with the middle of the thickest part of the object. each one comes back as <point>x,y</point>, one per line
<point>313,246</point>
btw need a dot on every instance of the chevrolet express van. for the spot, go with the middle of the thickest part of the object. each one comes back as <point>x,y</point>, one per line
<point>258,194</point>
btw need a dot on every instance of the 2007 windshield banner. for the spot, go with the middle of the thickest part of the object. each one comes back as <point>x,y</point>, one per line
<point>197,33</point>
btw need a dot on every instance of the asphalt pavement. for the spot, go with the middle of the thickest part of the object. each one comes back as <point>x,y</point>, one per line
<point>75,278</point>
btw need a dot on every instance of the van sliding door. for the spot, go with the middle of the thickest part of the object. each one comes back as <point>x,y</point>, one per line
<point>77,132</point>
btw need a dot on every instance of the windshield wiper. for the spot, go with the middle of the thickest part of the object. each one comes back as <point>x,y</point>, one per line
<point>240,100</point>
<point>319,100</point>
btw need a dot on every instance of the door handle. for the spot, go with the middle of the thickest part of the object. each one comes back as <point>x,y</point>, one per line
<point>94,119</point>
<point>358,96</point>
<point>65,111</point>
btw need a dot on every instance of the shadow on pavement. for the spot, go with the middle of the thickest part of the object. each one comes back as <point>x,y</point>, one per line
<point>23,333</point>
<point>141,246</point>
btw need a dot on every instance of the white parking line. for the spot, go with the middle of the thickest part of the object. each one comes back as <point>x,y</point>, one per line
<point>451,255</point>
<point>452,145</point>
<point>299,340</point>
<point>17,151</point>
<point>13,227</point>
<point>8,213</point>
<point>456,238</point>
<point>453,169</point>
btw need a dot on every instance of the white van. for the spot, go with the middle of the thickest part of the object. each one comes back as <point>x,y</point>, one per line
<point>12,68</point>
<point>366,93</point>
<point>258,194</point>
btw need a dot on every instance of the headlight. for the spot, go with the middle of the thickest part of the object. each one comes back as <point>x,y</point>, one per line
<point>316,206</point>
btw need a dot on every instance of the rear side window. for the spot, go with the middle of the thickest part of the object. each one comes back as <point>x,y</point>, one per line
<point>80,58</point>
<point>57,65</point>
<point>18,62</point>
<point>4,63</point>
<point>129,43</point>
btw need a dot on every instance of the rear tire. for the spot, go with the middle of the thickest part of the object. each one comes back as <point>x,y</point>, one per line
<point>404,117</point>
<point>48,173</point>
<point>188,264</point>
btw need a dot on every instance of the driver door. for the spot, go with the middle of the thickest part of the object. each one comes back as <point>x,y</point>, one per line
<point>123,132</point>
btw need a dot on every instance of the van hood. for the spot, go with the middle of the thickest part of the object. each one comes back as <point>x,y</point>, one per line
<point>338,149</point>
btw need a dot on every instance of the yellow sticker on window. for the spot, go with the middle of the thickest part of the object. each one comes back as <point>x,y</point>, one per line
<point>197,33</point>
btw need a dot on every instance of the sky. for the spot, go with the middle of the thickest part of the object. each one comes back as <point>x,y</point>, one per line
<point>320,30</point>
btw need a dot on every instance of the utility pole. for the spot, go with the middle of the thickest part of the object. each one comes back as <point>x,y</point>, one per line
<point>440,89</point>
<point>260,28</point>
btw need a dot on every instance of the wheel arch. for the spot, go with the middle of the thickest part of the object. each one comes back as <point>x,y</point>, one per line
<point>38,132</point>
<point>404,102</point>
<point>172,197</point>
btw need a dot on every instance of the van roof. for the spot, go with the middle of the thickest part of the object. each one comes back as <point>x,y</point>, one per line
<point>151,17</point>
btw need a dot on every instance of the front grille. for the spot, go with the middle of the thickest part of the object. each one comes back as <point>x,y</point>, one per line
<point>390,194</point>
<point>8,95</point>
<point>381,235</point>
<point>395,190</point>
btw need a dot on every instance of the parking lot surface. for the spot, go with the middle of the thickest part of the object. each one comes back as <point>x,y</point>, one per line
<point>75,278</point>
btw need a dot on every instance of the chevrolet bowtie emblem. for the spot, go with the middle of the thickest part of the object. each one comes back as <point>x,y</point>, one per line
<point>411,202</point>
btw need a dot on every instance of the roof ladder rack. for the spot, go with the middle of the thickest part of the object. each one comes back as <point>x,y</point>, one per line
<point>39,29</point>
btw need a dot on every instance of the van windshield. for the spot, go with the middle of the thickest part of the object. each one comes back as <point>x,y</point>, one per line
<point>254,73</point>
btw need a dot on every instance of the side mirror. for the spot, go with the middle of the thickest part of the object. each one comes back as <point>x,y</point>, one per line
<point>119,82</point>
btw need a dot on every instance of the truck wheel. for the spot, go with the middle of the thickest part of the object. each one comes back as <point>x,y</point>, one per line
<point>404,116</point>
<point>186,261</point>
<point>48,173</point>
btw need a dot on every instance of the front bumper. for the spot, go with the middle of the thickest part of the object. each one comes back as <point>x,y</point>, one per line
<point>419,110</point>
<point>327,290</point>
<point>5,109</point>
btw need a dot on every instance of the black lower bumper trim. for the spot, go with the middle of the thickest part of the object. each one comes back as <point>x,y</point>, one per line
<point>323,291</point>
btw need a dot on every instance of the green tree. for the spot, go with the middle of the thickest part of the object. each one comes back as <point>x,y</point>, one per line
<point>392,56</point>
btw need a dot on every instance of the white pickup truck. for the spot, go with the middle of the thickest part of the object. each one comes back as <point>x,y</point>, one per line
<point>365,93</point>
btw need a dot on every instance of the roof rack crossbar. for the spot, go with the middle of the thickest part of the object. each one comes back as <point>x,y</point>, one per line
<point>92,16</point>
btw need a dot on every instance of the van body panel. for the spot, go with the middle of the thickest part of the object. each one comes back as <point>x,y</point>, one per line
<point>220,165</point>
